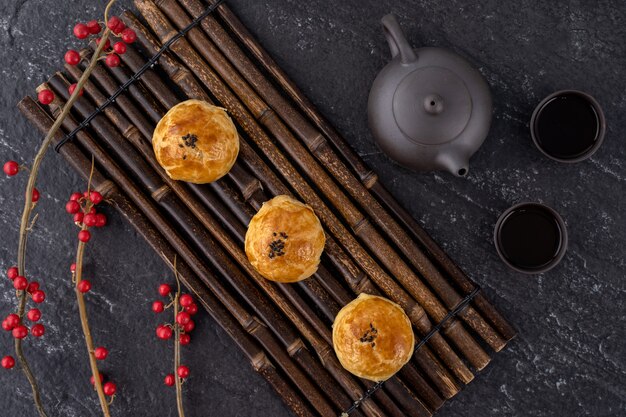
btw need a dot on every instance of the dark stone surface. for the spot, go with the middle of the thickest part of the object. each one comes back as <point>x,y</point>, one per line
<point>570,356</point>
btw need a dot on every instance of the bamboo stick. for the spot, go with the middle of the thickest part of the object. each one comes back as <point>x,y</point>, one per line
<point>203,241</point>
<point>250,323</point>
<point>368,178</point>
<point>250,189</point>
<point>258,359</point>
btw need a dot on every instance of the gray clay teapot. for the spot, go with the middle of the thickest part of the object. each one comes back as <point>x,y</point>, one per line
<point>428,109</point>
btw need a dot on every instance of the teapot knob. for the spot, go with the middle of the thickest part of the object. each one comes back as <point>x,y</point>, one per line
<point>397,41</point>
<point>433,104</point>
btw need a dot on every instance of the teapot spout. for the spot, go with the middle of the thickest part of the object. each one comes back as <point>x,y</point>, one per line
<point>455,164</point>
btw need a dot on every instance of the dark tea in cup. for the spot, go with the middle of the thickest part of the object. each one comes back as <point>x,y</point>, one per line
<point>568,126</point>
<point>530,238</point>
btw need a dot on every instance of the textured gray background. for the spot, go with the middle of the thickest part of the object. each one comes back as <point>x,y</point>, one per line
<point>570,356</point>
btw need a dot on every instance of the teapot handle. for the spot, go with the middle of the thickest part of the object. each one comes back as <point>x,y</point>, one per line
<point>396,40</point>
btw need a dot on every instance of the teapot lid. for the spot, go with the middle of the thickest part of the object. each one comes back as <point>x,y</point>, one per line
<point>432,105</point>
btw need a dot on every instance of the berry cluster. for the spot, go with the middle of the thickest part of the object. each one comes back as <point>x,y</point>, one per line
<point>83,207</point>
<point>13,322</point>
<point>125,35</point>
<point>187,308</point>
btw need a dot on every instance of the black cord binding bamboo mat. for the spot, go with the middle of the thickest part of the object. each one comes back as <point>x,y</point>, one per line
<point>190,49</point>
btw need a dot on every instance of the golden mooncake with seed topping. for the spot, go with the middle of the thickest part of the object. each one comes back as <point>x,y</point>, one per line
<point>372,337</point>
<point>196,142</point>
<point>285,240</point>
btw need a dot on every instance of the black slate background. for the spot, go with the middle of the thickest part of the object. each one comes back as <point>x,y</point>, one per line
<point>570,356</point>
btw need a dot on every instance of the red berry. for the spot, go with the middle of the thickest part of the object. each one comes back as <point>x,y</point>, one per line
<point>107,44</point>
<point>185,300</point>
<point>20,283</point>
<point>33,314</point>
<point>183,371</point>
<point>101,220</point>
<point>72,88</point>
<point>39,296</point>
<point>76,196</point>
<point>78,217</point>
<point>101,353</point>
<point>32,287</point>
<point>94,27</point>
<point>112,60</point>
<point>164,332</point>
<point>6,326</point>
<point>114,22</point>
<point>95,197</point>
<point>164,290</point>
<point>84,236</point>
<point>184,339</point>
<point>72,207</point>
<point>192,309</point>
<point>183,318</point>
<point>11,168</point>
<point>8,362</point>
<point>45,97</point>
<point>109,388</point>
<point>20,332</point>
<point>119,48</point>
<point>158,306</point>
<point>73,267</point>
<point>81,31</point>
<point>13,320</point>
<point>169,380</point>
<point>119,29</point>
<point>12,272</point>
<point>84,286</point>
<point>129,35</point>
<point>90,220</point>
<point>38,330</point>
<point>72,57</point>
<point>188,328</point>
<point>93,381</point>
<point>119,26</point>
